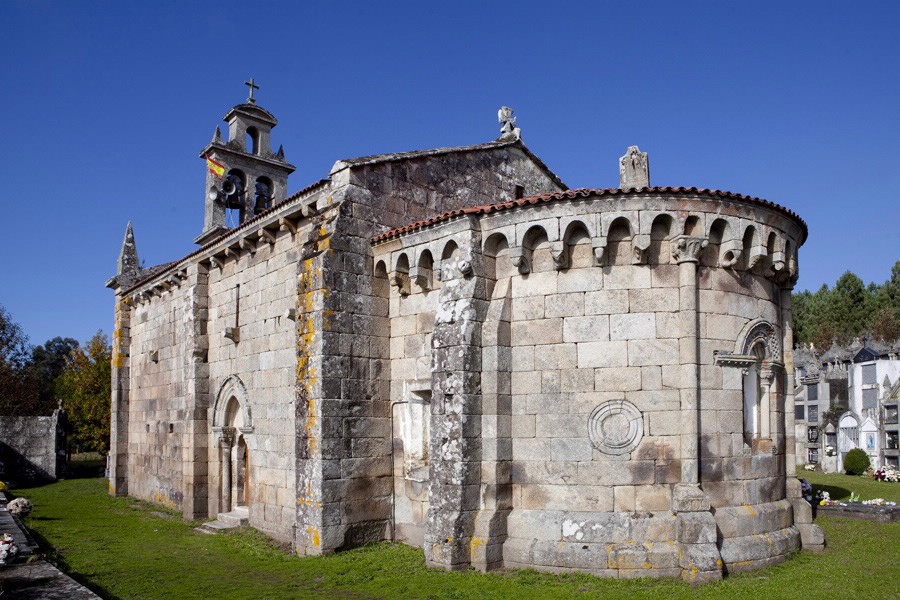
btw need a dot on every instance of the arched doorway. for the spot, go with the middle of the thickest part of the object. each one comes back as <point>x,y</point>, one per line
<point>232,429</point>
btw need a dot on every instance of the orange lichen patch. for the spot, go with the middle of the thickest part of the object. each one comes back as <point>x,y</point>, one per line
<point>160,498</point>
<point>119,354</point>
<point>315,536</point>
<point>750,510</point>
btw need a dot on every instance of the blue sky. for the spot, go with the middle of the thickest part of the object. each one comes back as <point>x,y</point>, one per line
<point>107,104</point>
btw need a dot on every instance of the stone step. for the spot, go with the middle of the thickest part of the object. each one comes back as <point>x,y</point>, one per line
<point>236,518</point>
<point>231,520</point>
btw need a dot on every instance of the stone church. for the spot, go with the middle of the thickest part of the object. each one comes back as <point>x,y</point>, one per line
<point>452,349</point>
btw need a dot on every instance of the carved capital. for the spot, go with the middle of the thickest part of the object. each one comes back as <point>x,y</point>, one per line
<point>687,248</point>
<point>224,436</point>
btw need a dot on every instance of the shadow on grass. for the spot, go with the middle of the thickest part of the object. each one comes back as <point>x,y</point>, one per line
<point>85,469</point>
<point>835,492</point>
<point>52,556</point>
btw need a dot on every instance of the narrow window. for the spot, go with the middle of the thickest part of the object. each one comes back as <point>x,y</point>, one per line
<point>252,140</point>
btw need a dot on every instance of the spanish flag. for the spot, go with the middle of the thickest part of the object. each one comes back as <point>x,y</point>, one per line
<point>215,167</point>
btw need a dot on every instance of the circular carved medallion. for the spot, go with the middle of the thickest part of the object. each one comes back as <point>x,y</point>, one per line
<point>616,427</point>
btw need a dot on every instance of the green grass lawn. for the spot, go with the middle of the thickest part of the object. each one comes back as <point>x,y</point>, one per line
<point>123,548</point>
<point>840,486</point>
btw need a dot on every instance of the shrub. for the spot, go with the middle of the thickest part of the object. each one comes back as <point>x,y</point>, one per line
<point>856,462</point>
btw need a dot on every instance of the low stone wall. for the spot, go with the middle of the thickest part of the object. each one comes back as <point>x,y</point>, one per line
<point>863,512</point>
<point>32,448</point>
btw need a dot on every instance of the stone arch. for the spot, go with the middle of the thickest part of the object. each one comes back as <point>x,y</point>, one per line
<point>575,248</point>
<point>451,249</point>
<point>422,272</point>
<point>496,256</point>
<point>759,331</point>
<point>719,232</point>
<point>693,226</point>
<point>619,236</point>
<point>400,276</point>
<point>232,388</point>
<point>660,236</point>
<point>537,250</point>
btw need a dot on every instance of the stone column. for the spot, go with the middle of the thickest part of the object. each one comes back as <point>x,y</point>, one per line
<point>225,442</point>
<point>767,383</point>
<point>195,450</point>
<point>686,252</point>
<point>455,448</point>
<point>121,382</point>
<point>699,557</point>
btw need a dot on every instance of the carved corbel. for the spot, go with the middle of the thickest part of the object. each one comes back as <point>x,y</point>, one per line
<point>520,259</point>
<point>599,246</point>
<point>248,245</point>
<point>559,253</point>
<point>285,224</point>
<point>421,277</point>
<point>229,251</point>
<point>687,248</point>
<point>779,263</point>
<point>465,267</point>
<point>730,252</point>
<point>267,236</point>
<point>639,247</point>
<point>400,280</point>
<point>216,262</point>
<point>308,210</point>
<point>756,256</point>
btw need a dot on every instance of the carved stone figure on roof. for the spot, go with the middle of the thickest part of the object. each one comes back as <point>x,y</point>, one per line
<point>508,129</point>
<point>634,169</point>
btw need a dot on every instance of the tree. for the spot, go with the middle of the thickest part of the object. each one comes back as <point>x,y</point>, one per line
<point>18,390</point>
<point>84,387</point>
<point>850,306</point>
<point>47,363</point>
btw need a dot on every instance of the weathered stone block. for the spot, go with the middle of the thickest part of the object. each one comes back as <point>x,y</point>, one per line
<point>602,354</point>
<point>593,328</point>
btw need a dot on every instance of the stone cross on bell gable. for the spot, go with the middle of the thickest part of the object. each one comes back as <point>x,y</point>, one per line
<point>634,169</point>
<point>252,85</point>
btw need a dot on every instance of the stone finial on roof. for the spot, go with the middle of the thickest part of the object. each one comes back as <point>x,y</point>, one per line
<point>508,129</point>
<point>128,257</point>
<point>129,264</point>
<point>634,169</point>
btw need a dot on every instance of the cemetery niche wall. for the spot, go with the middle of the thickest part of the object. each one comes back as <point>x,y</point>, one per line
<point>452,349</point>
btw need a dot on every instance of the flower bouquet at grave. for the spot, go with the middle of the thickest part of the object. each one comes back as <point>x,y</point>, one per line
<point>887,474</point>
<point>879,502</point>
<point>8,548</point>
<point>20,507</point>
<point>824,499</point>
